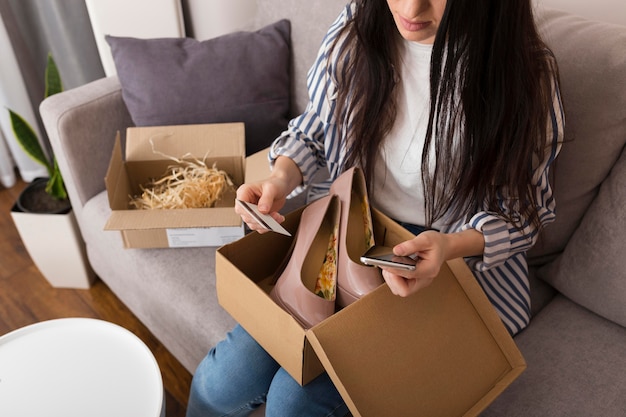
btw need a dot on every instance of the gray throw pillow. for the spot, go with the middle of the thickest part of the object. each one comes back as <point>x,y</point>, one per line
<point>239,77</point>
<point>592,269</point>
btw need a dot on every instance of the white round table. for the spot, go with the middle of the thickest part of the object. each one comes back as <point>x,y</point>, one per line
<point>78,367</point>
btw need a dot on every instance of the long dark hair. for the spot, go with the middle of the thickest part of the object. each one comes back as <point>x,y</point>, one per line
<point>491,91</point>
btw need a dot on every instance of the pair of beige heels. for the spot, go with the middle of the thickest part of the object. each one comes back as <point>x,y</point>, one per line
<point>324,271</point>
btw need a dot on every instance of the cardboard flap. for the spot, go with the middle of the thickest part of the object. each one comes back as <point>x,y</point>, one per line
<point>258,166</point>
<point>206,140</point>
<point>450,349</point>
<point>245,293</point>
<point>244,299</point>
<point>116,171</point>
<point>159,219</point>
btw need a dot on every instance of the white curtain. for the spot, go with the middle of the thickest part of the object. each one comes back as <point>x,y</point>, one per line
<point>13,95</point>
<point>7,175</point>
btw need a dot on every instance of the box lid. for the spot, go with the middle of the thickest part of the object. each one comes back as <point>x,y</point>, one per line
<point>454,347</point>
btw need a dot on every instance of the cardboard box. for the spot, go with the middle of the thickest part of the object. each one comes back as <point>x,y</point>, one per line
<point>441,352</point>
<point>146,158</point>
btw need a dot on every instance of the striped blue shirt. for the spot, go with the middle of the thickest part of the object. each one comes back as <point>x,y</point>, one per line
<point>315,142</point>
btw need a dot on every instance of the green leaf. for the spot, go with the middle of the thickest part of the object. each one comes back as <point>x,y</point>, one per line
<point>55,186</point>
<point>27,140</point>
<point>53,78</point>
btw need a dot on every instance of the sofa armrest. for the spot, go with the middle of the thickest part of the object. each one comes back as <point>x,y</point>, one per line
<point>81,124</point>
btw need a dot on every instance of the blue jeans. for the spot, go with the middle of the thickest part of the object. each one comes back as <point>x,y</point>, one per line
<point>238,375</point>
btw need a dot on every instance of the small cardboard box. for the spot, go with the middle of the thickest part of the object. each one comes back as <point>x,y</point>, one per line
<point>147,151</point>
<point>440,352</point>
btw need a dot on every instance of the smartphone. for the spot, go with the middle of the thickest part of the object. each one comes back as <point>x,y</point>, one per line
<point>383,256</point>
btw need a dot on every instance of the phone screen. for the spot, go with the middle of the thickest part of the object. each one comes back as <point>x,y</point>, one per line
<point>383,256</point>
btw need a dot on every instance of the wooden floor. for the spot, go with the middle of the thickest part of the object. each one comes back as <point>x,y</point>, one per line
<point>27,298</point>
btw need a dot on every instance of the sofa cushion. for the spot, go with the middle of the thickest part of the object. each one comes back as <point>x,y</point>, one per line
<point>592,60</point>
<point>592,269</point>
<point>576,366</point>
<point>239,77</point>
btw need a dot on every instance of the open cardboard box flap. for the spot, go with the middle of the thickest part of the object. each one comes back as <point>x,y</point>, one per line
<point>200,141</point>
<point>429,364</point>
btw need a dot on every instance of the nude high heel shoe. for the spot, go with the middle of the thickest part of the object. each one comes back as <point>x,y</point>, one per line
<point>354,279</point>
<point>307,286</point>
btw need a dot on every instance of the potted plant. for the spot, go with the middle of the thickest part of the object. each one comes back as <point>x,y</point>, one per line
<point>43,214</point>
<point>43,195</point>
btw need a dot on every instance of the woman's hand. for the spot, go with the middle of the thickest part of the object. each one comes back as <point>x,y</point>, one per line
<point>269,195</point>
<point>433,249</point>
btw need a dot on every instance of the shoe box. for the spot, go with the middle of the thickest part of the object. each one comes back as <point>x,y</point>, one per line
<point>149,152</point>
<point>440,352</point>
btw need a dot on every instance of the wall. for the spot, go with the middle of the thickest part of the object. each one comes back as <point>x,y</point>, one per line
<point>207,19</point>
<point>613,11</point>
<point>135,18</point>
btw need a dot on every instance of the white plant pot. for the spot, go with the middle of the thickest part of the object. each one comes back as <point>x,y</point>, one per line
<point>54,244</point>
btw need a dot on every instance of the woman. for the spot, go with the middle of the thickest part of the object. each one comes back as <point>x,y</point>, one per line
<point>451,108</point>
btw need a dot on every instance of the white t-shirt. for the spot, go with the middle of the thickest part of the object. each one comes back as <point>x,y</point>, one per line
<point>398,187</point>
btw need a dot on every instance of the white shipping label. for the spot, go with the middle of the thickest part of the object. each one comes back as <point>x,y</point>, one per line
<point>204,236</point>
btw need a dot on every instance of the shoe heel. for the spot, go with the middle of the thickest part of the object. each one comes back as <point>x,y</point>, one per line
<point>312,265</point>
<point>354,279</point>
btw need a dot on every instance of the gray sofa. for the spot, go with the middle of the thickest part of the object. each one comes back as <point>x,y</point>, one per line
<point>575,346</point>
